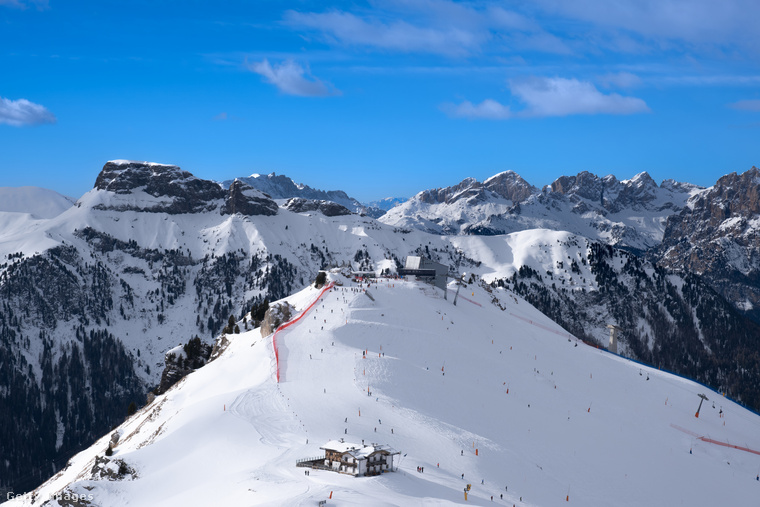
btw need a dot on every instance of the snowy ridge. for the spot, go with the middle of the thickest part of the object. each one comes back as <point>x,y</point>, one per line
<point>457,390</point>
<point>38,202</point>
<point>292,322</point>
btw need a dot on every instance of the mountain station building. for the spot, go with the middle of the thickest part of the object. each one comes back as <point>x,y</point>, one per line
<point>427,270</point>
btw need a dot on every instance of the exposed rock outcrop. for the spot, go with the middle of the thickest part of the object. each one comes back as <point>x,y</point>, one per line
<point>276,315</point>
<point>112,469</point>
<point>176,191</point>
<point>327,208</point>
<point>244,199</point>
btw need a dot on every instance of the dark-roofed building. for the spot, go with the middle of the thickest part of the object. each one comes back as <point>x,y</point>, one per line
<point>427,270</point>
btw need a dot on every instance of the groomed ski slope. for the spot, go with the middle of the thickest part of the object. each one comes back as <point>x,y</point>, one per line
<point>578,426</point>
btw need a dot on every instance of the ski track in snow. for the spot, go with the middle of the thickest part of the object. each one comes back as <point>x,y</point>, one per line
<point>263,408</point>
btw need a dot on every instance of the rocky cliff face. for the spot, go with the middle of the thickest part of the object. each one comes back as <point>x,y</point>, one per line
<point>160,188</point>
<point>245,200</point>
<point>175,191</point>
<point>717,235</point>
<point>507,185</point>
<point>327,208</point>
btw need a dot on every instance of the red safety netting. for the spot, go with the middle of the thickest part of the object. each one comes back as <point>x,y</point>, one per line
<point>290,323</point>
<point>711,441</point>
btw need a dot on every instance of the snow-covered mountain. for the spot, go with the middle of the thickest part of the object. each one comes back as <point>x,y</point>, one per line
<point>487,402</point>
<point>38,202</point>
<point>92,299</point>
<point>629,213</point>
<point>386,203</point>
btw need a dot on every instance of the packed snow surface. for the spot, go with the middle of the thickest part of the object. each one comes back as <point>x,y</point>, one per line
<point>499,398</point>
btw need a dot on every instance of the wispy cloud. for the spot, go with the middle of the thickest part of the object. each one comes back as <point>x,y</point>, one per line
<point>292,78</point>
<point>349,29</point>
<point>591,27</point>
<point>440,27</point>
<point>696,23</point>
<point>746,105</point>
<point>543,97</point>
<point>21,112</point>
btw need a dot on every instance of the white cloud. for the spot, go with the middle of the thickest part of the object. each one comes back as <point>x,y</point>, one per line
<point>746,105</point>
<point>487,110</point>
<point>22,112</point>
<point>292,79</point>
<point>543,97</point>
<point>562,97</point>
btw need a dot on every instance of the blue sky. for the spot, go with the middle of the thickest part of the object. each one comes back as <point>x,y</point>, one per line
<point>379,98</point>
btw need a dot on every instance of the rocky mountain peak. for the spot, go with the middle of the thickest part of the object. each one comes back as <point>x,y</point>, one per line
<point>510,185</point>
<point>584,184</point>
<point>244,199</point>
<point>635,193</point>
<point>177,191</point>
<point>642,180</point>
<point>733,195</point>
<point>122,176</point>
<point>469,188</point>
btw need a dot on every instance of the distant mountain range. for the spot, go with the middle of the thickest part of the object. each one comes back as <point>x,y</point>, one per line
<point>712,232</point>
<point>628,214</point>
